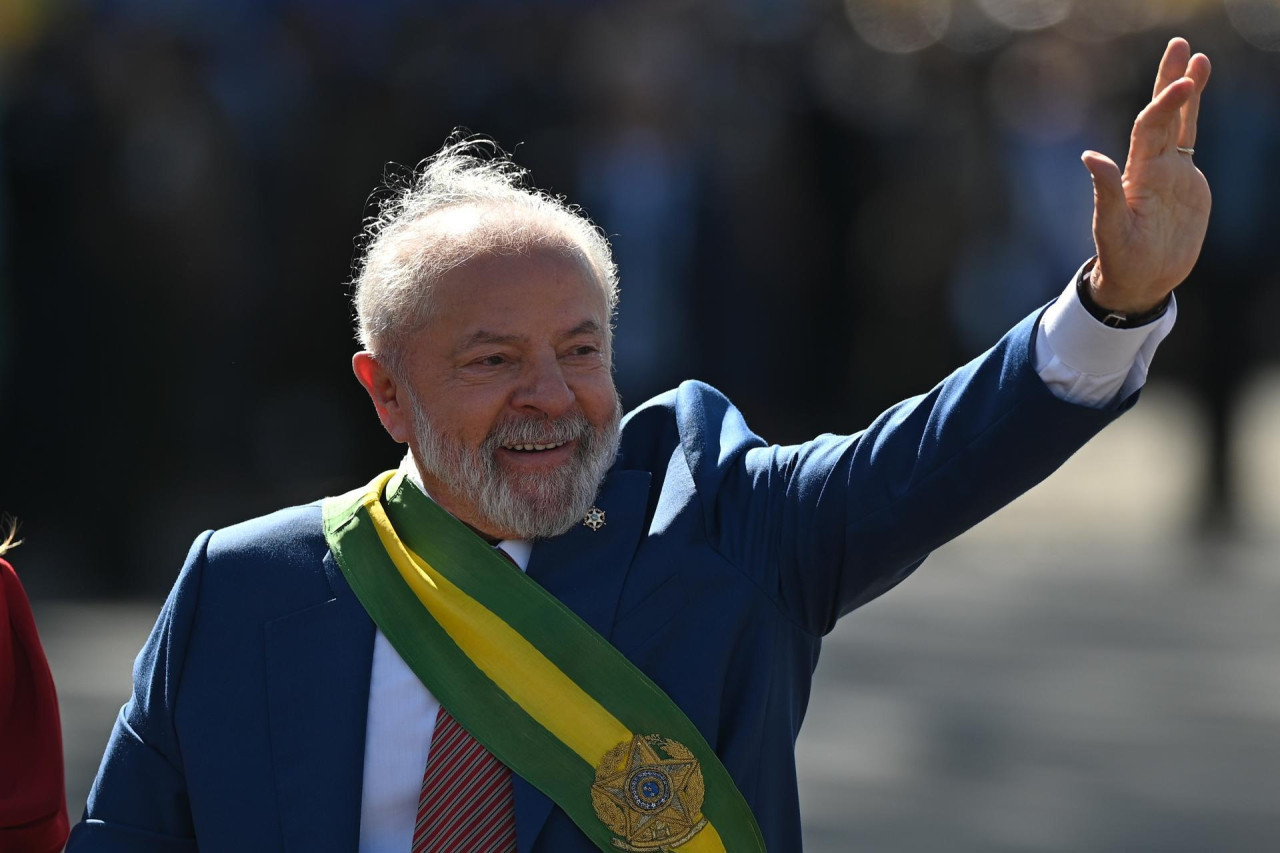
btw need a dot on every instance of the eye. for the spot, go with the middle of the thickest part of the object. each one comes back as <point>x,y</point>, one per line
<point>583,350</point>
<point>494,360</point>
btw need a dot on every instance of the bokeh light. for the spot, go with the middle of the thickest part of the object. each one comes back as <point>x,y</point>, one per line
<point>1102,20</point>
<point>1027,14</point>
<point>21,22</point>
<point>899,26</point>
<point>1257,21</point>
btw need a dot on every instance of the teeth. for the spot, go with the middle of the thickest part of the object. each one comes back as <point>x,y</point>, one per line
<point>534,446</point>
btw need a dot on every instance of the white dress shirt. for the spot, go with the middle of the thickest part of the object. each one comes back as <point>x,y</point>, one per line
<point>1079,359</point>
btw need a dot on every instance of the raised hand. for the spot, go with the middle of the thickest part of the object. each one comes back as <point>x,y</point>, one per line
<point>1149,223</point>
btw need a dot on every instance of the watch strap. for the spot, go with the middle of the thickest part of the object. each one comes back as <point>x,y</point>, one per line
<point>1115,319</point>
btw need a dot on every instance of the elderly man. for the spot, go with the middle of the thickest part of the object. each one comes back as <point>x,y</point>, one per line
<point>369,672</point>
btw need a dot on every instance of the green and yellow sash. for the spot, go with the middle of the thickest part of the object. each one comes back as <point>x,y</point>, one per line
<point>531,681</point>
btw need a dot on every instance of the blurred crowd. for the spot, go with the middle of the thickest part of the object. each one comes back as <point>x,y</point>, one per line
<point>818,207</point>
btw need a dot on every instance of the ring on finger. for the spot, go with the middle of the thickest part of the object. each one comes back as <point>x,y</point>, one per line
<point>1182,149</point>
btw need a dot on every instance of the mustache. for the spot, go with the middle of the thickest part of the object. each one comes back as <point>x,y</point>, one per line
<point>534,430</point>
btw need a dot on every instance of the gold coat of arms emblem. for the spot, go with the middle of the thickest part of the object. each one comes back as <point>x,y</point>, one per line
<point>649,792</point>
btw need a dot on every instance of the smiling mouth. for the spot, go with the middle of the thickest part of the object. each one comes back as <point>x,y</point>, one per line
<point>533,448</point>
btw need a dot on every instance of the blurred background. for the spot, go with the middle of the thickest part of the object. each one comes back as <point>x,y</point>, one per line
<point>818,207</point>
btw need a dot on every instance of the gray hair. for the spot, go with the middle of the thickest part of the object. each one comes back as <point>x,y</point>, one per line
<point>402,256</point>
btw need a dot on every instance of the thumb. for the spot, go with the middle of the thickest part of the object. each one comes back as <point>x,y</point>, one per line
<point>1110,207</point>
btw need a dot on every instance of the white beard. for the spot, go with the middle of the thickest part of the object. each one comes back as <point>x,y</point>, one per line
<point>528,505</point>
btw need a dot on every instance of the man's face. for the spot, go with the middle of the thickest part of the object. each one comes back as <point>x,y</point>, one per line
<point>515,415</point>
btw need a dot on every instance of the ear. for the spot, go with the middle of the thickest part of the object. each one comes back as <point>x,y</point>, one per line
<point>389,396</point>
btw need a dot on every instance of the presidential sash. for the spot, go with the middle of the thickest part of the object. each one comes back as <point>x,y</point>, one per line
<point>532,682</point>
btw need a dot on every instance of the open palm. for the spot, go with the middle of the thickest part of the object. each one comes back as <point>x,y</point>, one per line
<point>1149,222</point>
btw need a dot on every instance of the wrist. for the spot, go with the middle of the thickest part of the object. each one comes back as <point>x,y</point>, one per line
<point>1103,307</point>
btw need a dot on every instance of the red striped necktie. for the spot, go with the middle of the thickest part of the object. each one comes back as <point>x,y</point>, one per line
<point>466,803</point>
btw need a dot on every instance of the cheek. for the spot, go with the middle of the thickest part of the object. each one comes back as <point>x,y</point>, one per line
<point>468,418</point>
<point>600,402</point>
<point>480,426</point>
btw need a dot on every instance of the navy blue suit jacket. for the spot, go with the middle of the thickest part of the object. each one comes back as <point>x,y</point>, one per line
<point>723,563</point>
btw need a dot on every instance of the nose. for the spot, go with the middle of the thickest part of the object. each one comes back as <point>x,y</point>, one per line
<point>543,388</point>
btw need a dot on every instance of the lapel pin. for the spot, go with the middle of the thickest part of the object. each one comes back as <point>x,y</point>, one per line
<point>594,518</point>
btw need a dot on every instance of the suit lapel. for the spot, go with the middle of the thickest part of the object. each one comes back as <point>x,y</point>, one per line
<point>585,569</point>
<point>318,666</point>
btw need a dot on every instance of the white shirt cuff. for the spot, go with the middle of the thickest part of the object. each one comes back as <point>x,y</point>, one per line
<point>1088,363</point>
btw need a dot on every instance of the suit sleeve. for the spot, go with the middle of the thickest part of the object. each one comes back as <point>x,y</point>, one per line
<point>827,525</point>
<point>139,799</point>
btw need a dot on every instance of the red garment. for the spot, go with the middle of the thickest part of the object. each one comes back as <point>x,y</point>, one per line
<point>33,798</point>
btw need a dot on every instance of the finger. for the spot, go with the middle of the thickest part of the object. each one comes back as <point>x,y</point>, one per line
<point>1172,65</point>
<point>1156,128</point>
<point>1110,207</point>
<point>1198,70</point>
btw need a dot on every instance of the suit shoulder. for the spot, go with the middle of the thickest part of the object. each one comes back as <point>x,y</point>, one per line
<point>282,554</point>
<point>695,417</point>
<point>272,536</point>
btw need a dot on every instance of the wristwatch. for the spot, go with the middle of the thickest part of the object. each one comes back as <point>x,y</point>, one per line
<point>1115,319</point>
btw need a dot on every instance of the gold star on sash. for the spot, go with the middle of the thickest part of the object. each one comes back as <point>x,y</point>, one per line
<point>651,801</point>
